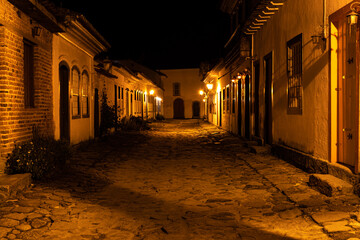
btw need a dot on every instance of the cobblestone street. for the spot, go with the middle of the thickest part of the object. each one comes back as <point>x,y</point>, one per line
<point>180,180</point>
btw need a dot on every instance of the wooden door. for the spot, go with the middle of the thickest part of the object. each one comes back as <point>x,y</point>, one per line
<point>220,109</point>
<point>268,99</point>
<point>64,103</point>
<point>247,106</point>
<point>96,114</point>
<point>348,96</point>
<point>179,108</point>
<point>256,99</point>
<point>196,109</point>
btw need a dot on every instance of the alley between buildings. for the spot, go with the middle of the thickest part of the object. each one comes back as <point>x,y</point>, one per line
<point>183,179</point>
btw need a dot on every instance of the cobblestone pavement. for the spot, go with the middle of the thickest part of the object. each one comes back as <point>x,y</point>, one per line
<point>180,180</point>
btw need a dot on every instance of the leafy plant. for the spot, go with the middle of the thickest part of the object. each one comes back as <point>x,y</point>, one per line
<point>43,157</point>
<point>108,116</point>
<point>159,117</point>
<point>133,124</point>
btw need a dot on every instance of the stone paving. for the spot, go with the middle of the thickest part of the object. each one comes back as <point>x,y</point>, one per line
<point>180,180</point>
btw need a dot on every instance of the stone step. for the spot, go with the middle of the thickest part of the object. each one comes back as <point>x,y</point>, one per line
<point>12,184</point>
<point>260,149</point>
<point>329,185</point>
<point>251,143</point>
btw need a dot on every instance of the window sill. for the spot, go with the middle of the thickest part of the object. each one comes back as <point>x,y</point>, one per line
<point>86,116</point>
<point>76,117</point>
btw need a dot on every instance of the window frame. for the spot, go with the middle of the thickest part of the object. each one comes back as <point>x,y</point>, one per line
<point>29,76</point>
<point>83,96</point>
<point>294,65</point>
<point>75,95</point>
<point>176,89</point>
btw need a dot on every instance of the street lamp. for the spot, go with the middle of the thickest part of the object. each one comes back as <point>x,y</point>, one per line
<point>152,92</point>
<point>201,92</point>
<point>210,86</point>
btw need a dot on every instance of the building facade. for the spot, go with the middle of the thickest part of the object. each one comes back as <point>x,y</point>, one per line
<point>182,94</point>
<point>26,34</point>
<point>295,80</point>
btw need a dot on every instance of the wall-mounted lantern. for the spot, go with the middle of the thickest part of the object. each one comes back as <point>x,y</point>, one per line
<point>201,92</point>
<point>353,16</point>
<point>210,86</point>
<point>152,92</point>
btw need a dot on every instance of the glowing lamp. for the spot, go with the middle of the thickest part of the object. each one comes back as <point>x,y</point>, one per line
<point>152,92</point>
<point>352,18</point>
<point>204,100</point>
<point>209,86</point>
<point>201,92</point>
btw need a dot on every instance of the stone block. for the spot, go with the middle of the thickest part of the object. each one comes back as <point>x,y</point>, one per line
<point>11,184</point>
<point>323,217</point>
<point>330,185</point>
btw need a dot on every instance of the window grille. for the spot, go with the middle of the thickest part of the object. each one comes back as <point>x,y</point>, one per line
<point>294,73</point>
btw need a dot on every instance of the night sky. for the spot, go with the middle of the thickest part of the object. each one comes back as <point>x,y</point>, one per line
<point>159,34</point>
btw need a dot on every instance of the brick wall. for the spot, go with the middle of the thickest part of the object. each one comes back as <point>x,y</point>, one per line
<point>16,121</point>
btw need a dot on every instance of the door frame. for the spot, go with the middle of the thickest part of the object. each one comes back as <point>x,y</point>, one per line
<point>336,105</point>
<point>268,120</point>
<point>64,101</point>
<point>256,99</point>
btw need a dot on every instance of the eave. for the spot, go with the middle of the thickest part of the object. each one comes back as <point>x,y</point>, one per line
<point>39,13</point>
<point>261,14</point>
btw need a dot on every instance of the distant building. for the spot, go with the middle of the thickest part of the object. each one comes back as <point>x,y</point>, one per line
<point>181,97</point>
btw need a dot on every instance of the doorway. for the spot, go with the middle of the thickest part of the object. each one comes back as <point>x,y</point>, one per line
<point>220,109</point>
<point>268,99</point>
<point>96,114</point>
<point>179,108</point>
<point>256,99</point>
<point>64,102</point>
<point>196,109</point>
<point>247,106</point>
<point>348,96</point>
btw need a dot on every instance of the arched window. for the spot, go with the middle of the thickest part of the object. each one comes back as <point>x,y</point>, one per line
<point>85,94</point>
<point>75,88</point>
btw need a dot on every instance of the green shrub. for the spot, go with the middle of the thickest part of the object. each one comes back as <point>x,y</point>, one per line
<point>159,117</point>
<point>108,116</point>
<point>133,124</point>
<point>43,157</point>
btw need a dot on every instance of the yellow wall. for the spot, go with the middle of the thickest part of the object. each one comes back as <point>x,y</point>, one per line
<point>80,129</point>
<point>190,82</point>
<point>308,132</point>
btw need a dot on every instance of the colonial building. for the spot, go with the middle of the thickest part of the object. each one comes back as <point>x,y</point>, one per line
<point>73,75</point>
<point>182,93</point>
<point>295,80</point>
<point>26,34</point>
<point>133,89</point>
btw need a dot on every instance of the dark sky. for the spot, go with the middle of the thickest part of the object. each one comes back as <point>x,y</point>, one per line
<point>158,33</point>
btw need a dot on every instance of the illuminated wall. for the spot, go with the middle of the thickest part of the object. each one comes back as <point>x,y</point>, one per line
<point>309,131</point>
<point>190,85</point>
<point>16,120</point>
